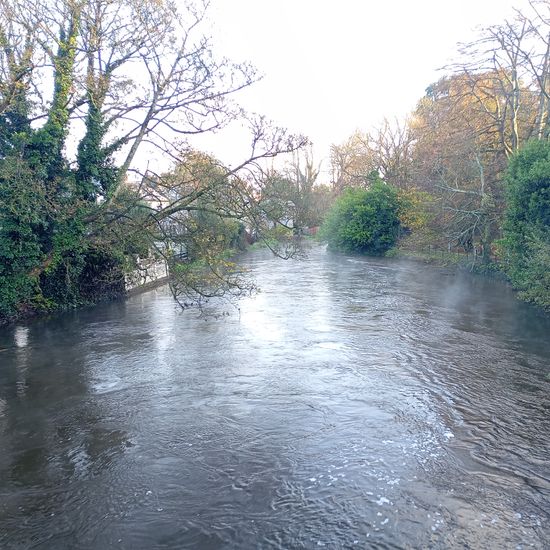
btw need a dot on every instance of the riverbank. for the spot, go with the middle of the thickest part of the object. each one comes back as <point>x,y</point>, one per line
<point>442,258</point>
<point>148,275</point>
<point>463,262</point>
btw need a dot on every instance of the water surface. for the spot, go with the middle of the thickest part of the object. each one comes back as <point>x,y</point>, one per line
<point>354,402</point>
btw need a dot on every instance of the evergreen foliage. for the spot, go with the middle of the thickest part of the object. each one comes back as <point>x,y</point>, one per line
<point>47,260</point>
<point>526,242</point>
<point>363,220</point>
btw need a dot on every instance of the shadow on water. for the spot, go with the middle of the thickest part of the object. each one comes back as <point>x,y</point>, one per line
<point>352,402</point>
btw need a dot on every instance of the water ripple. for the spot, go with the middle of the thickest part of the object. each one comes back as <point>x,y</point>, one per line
<point>352,403</point>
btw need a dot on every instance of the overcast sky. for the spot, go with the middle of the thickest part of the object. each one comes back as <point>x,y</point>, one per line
<point>331,67</point>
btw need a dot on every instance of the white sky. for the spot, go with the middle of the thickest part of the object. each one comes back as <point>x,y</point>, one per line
<point>332,67</point>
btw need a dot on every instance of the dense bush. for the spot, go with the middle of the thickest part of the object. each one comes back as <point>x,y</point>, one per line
<point>363,220</point>
<point>526,243</point>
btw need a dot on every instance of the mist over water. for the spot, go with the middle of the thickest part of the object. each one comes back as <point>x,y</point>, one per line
<point>353,402</point>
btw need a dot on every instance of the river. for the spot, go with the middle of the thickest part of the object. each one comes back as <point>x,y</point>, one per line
<point>352,403</point>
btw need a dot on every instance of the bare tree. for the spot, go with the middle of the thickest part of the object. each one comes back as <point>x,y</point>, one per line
<point>385,150</point>
<point>351,162</point>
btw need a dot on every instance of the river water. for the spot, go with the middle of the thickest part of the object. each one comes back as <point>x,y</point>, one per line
<point>368,403</point>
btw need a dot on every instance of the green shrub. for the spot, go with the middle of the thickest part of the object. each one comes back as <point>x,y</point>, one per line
<point>363,220</point>
<point>526,242</point>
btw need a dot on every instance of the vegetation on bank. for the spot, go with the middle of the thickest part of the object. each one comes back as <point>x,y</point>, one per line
<point>381,220</point>
<point>89,89</point>
<point>526,241</point>
<point>473,157</point>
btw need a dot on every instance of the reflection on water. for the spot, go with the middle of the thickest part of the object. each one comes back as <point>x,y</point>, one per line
<point>352,403</point>
<point>21,336</point>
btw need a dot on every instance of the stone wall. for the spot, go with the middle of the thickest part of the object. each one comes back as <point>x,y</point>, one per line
<point>151,272</point>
